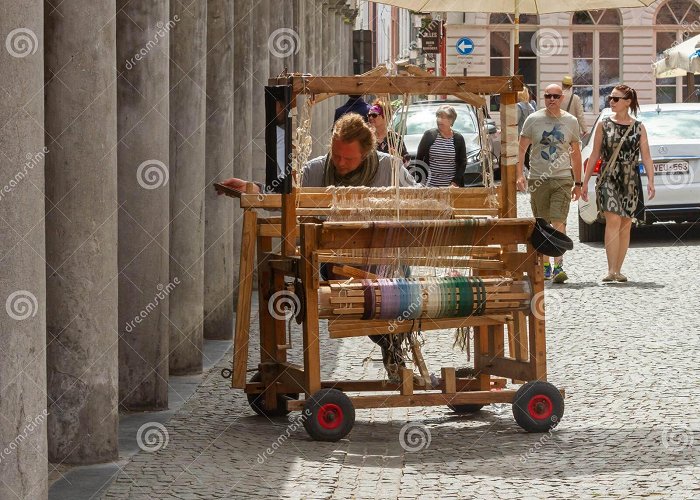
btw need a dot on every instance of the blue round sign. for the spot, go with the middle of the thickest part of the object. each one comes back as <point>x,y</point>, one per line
<point>465,46</point>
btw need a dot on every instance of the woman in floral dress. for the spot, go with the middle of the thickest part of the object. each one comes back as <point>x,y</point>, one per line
<point>618,187</point>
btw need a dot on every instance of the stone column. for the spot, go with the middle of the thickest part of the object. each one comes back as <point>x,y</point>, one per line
<point>299,26</point>
<point>347,26</point>
<point>321,115</point>
<point>81,231</point>
<point>261,73</point>
<point>312,29</point>
<point>218,233</point>
<point>22,245</point>
<point>280,39</point>
<point>188,49</point>
<point>142,160</point>
<point>294,36</point>
<point>243,88</point>
<point>327,70</point>
<point>347,36</point>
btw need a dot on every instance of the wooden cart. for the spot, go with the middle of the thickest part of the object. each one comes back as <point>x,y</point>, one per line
<point>503,298</point>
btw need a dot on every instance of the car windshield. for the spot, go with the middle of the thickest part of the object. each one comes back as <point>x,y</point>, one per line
<point>671,124</point>
<point>421,119</point>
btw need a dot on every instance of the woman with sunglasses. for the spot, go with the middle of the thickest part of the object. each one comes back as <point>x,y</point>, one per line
<point>388,141</point>
<point>618,187</point>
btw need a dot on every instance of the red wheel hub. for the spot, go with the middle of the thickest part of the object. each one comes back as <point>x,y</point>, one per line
<point>330,416</point>
<point>540,407</point>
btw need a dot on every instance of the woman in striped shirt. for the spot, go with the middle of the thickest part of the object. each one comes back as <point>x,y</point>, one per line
<point>442,151</point>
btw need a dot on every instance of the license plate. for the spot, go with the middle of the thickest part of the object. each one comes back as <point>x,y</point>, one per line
<point>671,167</point>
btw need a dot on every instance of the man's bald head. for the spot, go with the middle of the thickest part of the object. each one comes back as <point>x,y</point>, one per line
<point>552,98</point>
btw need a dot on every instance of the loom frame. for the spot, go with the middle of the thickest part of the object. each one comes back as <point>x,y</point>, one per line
<point>300,209</point>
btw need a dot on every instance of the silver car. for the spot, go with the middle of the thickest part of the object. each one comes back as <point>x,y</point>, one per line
<point>674,140</point>
<point>421,117</point>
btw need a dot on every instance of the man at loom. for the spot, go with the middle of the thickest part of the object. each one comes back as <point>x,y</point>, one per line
<point>353,161</point>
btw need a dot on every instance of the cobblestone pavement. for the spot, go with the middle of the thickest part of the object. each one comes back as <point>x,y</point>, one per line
<point>625,354</point>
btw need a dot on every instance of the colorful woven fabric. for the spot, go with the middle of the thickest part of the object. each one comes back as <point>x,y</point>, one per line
<point>411,298</point>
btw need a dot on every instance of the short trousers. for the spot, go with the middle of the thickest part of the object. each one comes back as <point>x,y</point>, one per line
<point>551,198</point>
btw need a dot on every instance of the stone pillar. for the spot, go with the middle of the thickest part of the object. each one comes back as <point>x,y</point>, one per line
<point>299,25</point>
<point>347,54</point>
<point>335,40</point>
<point>218,233</point>
<point>243,106</point>
<point>347,27</point>
<point>23,277</point>
<point>188,48</point>
<point>261,73</point>
<point>81,231</point>
<point>294,36</point>
<point>312,29</point>
<point>280,39</point>
<point>142,160</point>
<point>327,70</point>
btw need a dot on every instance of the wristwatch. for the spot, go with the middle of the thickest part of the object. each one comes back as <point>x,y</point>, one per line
<point>578,184</point>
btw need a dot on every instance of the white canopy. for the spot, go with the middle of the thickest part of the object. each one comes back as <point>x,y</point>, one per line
<point>515,7</point>
<point>512,6</point>
<point>679,60</point>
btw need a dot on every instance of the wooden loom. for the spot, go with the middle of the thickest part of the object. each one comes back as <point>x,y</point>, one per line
<point>510,287</point>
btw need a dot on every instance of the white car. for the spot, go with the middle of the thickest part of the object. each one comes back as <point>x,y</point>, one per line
<point>674,140</point>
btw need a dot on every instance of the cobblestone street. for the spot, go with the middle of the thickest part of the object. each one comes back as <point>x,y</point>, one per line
<point>623,352</point>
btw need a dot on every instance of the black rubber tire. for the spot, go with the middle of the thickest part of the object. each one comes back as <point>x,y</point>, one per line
<point>257,402</point>
<point>329,415</point>
<point>590,233</point>
<point>538,406</point>
<point>465,408</point>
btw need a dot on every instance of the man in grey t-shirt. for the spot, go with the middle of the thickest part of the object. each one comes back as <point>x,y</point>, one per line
<point>555,167</point>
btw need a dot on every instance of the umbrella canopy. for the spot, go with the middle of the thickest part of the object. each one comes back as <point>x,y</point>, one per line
<point>512,6</point>
<point>515,7</point>
<point>680,60</point>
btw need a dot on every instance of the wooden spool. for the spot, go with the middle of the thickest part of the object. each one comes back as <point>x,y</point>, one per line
<point>346,300</point>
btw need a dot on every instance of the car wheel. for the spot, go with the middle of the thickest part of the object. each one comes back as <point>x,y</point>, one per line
<point>590,233</point>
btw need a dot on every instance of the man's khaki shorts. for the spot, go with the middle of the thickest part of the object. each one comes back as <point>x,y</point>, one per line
<point>551,198</point>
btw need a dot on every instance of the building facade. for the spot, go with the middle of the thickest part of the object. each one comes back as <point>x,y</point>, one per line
<point>599,49</point>
<point>382,34</point>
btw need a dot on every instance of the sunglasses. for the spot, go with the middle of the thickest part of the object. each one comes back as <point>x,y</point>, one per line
<point>552,96</point>
<point>615,98</point>
<point>373,115</point>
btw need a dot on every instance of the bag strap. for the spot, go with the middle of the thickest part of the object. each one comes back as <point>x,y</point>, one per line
<point>571,98</point>
<point>613,158</point>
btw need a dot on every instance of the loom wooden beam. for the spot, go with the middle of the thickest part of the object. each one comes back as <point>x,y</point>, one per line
<point>376,71</point>
<point>245,293</point>
<point>466,96</point>
<point>509,153</point>
<point>287,386</point>
<point>352,328</point>
<point>323,198</point>
<point>392,234</point>
<point>400,84</point>
<point>423,399</point>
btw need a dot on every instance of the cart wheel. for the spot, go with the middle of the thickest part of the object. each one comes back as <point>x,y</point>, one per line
<point>257,402</point>
<point>330,415</point>
<point>465,408</point>
<point>538,406</point>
